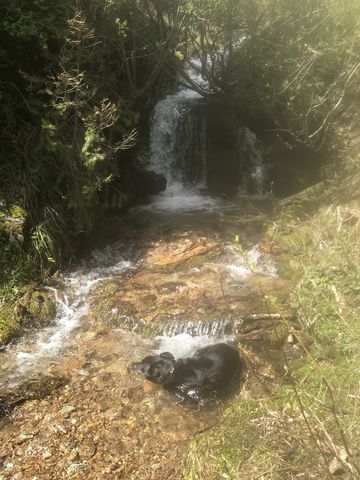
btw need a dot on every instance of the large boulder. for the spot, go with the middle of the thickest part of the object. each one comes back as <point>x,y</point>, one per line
<point>150,183</point>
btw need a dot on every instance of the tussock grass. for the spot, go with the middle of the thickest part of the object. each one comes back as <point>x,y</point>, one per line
<point>310,429</point>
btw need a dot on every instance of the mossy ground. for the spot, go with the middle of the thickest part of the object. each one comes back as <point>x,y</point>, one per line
<point>311,427</point>
<point>19,305</point>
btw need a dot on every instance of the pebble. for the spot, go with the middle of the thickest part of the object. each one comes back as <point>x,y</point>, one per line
<point>74,456</point>
<point>47,454</point>
<point>60,428</point>
<point>67,409</point>
<point>23,437</point>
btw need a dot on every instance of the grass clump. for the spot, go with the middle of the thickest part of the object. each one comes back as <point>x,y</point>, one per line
<point>17,268</point>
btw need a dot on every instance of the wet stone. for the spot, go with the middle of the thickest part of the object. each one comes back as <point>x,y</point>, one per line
<point>23,438</point>
<point>46,454</point>
<point>67,410</point>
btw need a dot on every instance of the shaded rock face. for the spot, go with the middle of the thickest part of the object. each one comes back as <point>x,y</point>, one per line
<point>291,170</point>
<point>224,163</point>
<point>134,185</point>
<point>225,156</point>
<point>222,170</point>
<point>211,149</point>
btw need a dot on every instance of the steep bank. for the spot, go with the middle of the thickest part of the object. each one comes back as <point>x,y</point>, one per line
<point>310,427</point>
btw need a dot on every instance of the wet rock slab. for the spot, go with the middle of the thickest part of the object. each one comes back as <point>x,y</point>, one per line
<point>188,279</point>
<point>174,251</point>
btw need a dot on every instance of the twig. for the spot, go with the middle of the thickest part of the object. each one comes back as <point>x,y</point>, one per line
<point>337,421</point>
<point>268,472</point>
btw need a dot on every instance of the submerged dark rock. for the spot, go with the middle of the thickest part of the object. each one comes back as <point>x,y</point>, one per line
<point>150,183</point>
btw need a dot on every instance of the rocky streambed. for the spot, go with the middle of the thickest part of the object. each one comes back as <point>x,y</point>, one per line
<point>176,281</point>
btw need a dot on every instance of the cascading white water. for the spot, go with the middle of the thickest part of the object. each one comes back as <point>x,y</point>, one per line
<point>175,136</point>
<point>34,353</point>
<point>185,345</point>
<point>178,150</point>
<point>252,162</point>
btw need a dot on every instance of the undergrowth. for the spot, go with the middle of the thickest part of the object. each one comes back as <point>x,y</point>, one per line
<point>311,428</point>
<point>17,269</point>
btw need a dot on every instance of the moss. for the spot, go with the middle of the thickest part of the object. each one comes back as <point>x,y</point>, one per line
<point>9,323</point>
<point>105,289</point>
<point>37,307</point>
<point>16,211</point>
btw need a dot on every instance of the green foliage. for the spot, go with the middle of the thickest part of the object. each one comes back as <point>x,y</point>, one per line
<point>292,67</point>
<point>73,76</point>
<point>222,452</point>
<point>16,267</point>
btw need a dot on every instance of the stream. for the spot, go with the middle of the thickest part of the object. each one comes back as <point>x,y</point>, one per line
<point>190,270</point>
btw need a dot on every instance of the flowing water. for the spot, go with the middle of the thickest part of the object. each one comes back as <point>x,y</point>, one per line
<point>189,271</point>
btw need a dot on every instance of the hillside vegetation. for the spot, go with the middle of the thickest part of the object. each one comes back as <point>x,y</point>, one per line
<point>310,428</point>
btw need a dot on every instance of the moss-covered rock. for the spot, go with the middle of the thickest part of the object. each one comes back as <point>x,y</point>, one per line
<point>35,308</point>
<point>9,323</point>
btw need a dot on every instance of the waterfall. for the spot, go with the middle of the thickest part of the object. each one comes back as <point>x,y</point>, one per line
<point>178,150</point>
<point>178,142</point>
<point>188,135</point>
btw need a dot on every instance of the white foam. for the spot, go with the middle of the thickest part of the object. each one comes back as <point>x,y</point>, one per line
<point>261,263</point>
<point>239,271</point>
<point>71,308</point>
<point>252,261</point>
<point>185,345</point>
<point>182,200</point>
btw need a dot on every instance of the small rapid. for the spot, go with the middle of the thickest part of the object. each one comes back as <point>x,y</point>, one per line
<point>36,351</point>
